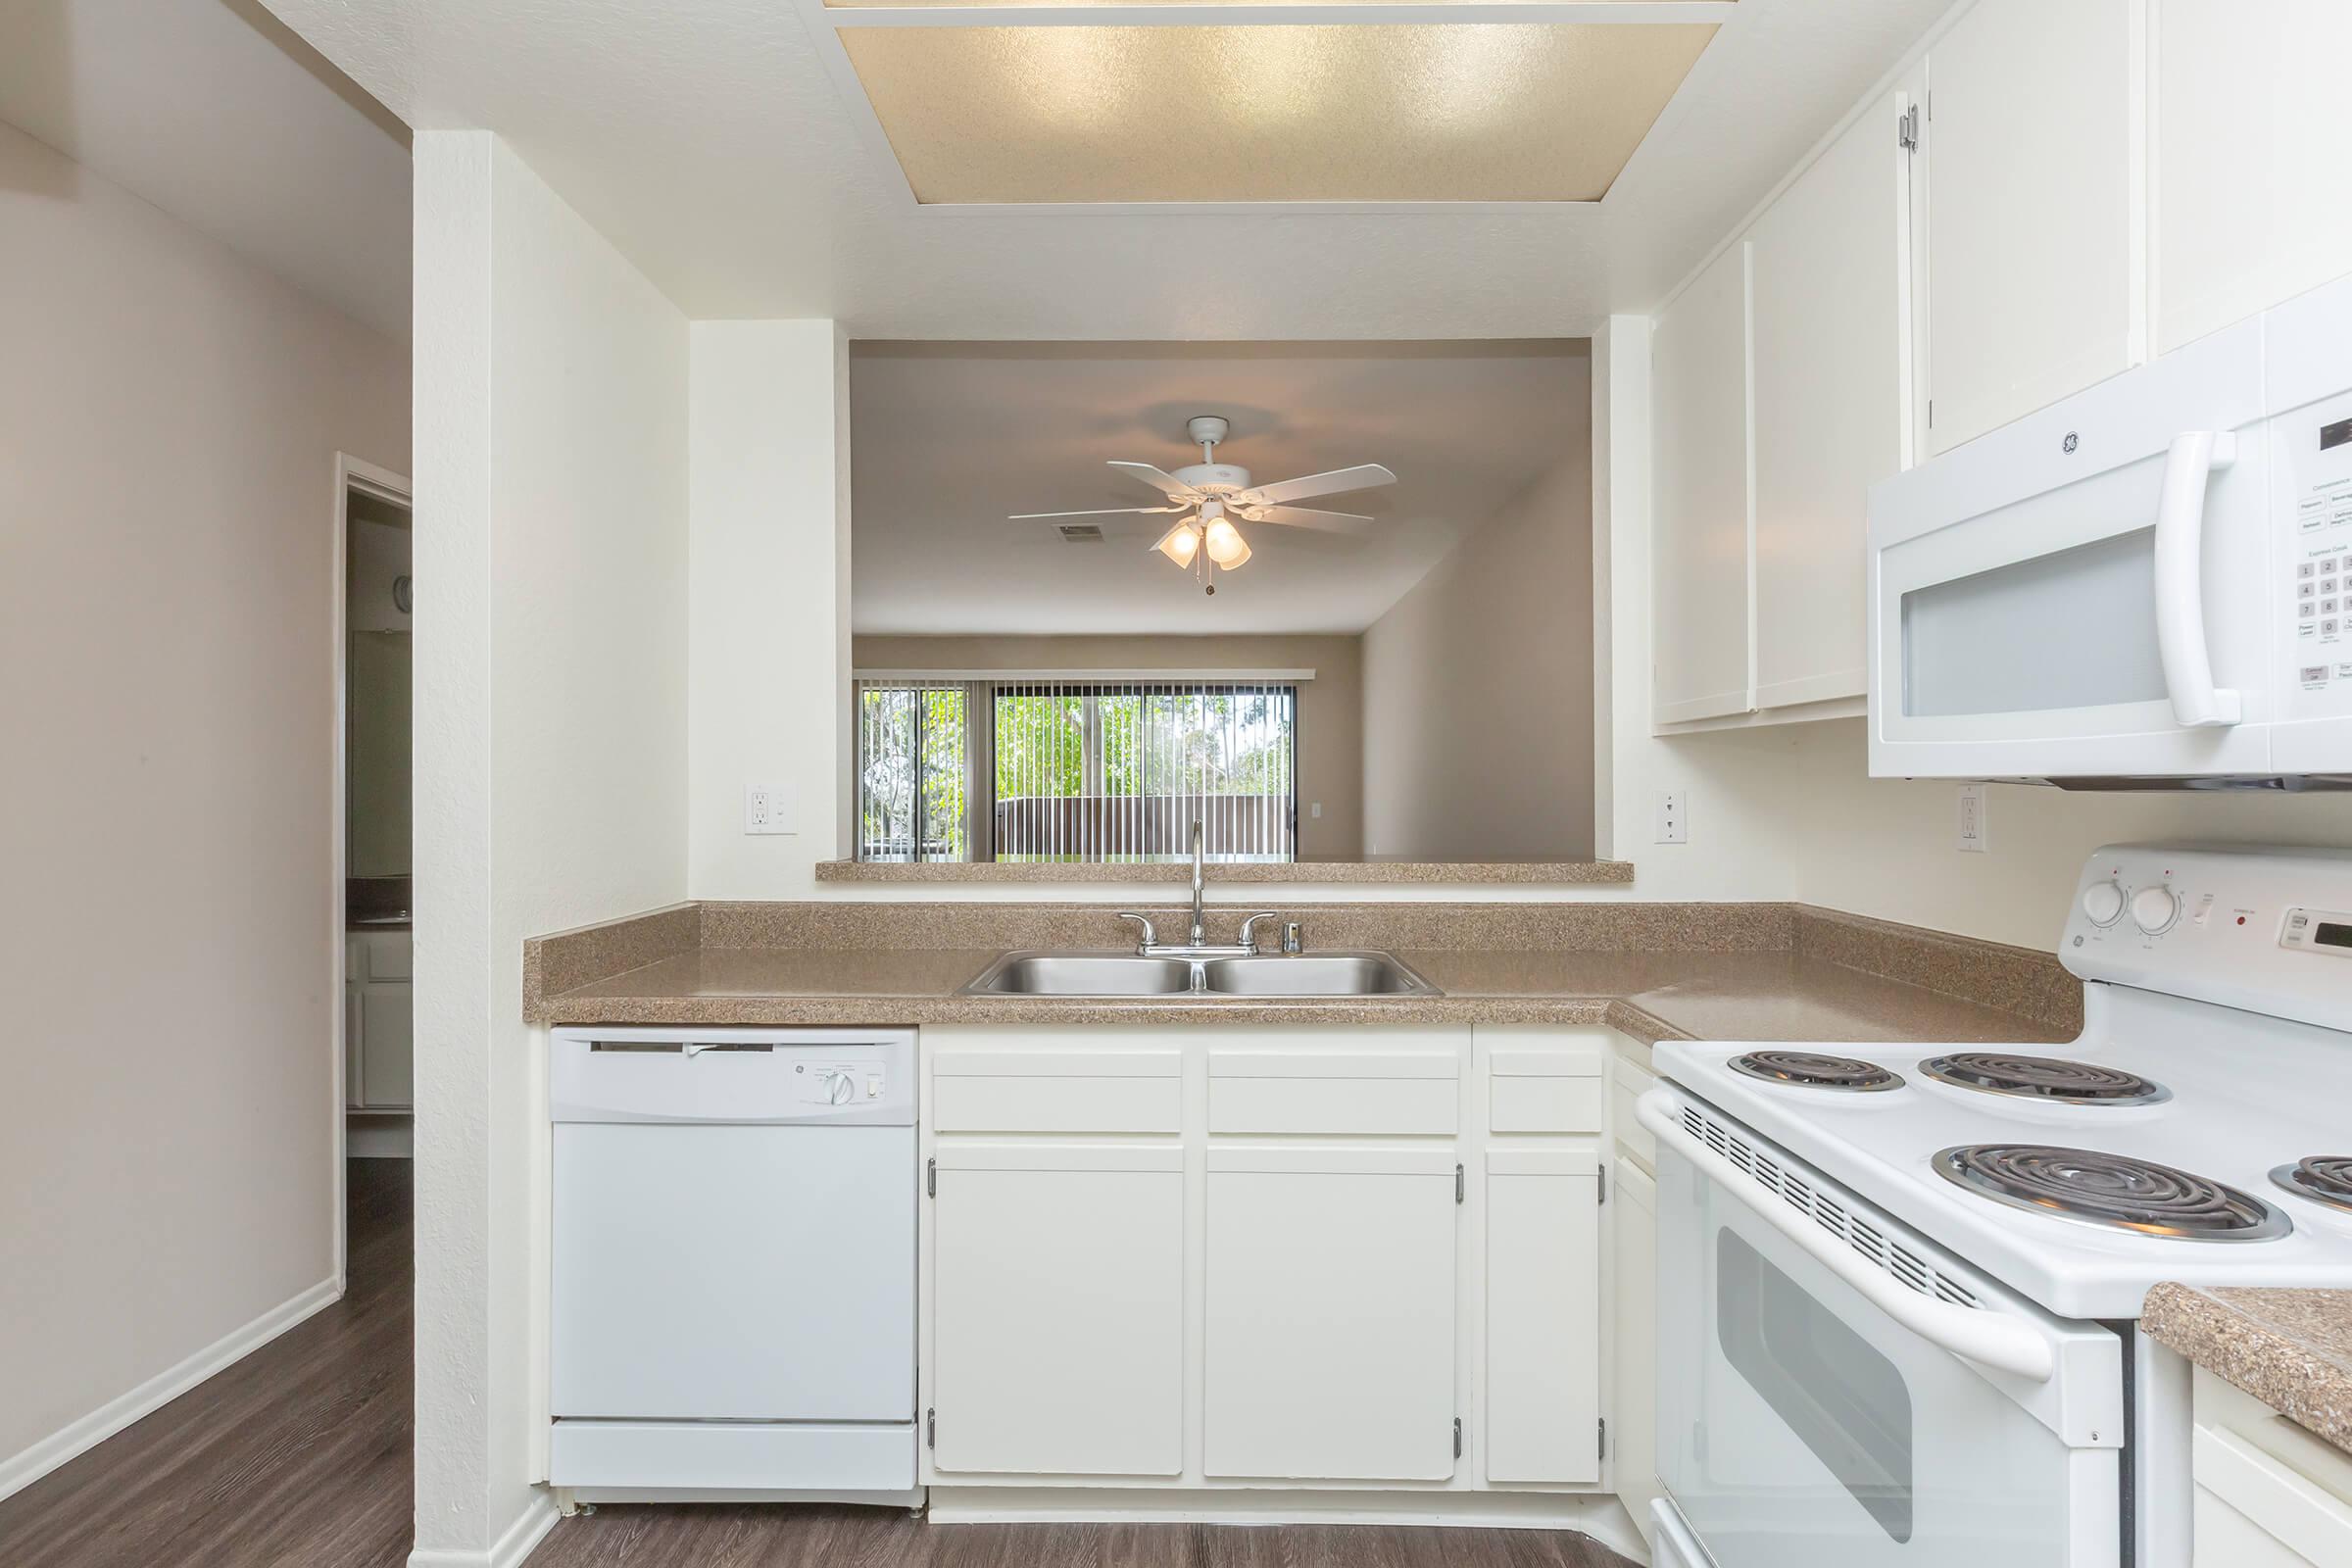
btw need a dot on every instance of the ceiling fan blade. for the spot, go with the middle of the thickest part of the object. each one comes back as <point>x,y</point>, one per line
<point>1363,476</point>
<point>1167,484</point>
<point>1309,517</point>
<point>1098,512</point>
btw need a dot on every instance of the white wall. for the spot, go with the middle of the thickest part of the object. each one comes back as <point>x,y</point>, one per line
<point>770,650</point>
<point>551,698</point>
<point>1478,684</point>
<point>169,422</point>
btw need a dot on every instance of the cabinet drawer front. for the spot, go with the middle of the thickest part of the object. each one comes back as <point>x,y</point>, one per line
<point>1547,1105</point>
<point>1333,1092</point>
<point>389,955</point>
<point>2238,1487</point>
<point>1058,1091</point>
<point>1333,1105</point>
<point>1627,1084</point>
<point>1056,1105</point>
<point>1555,1087</point>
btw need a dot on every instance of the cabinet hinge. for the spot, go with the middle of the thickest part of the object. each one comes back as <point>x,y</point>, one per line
<point>1458,1436</point>
<point>1604,1437</point>
<point>931,1178</point>
<point>931,1428</point>
<point>1602,1186</point>
<point>1930,414</point>
<point>1457,1184</point>
<point>1906,130</point>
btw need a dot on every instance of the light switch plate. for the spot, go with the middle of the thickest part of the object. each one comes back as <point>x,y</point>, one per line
<point>767,807</point>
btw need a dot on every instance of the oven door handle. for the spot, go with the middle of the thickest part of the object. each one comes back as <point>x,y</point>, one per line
<point>1990,1339</point>
<point>2188,465</point>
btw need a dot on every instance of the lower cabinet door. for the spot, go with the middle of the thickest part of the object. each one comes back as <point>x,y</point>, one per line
<point>387,1045</point>
<point>1543,1316</point>
<point>1058,1310</point>
<point>1329,1314</point>
<point>1633,1432</point>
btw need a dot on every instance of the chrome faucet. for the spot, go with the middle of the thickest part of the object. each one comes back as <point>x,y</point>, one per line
<point>1195,943</point>
<point>1200,932</point>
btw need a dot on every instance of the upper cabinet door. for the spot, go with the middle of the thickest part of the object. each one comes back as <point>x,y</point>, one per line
<point>1831,295</point>
<point>2032,217</point>
<point>2252,120</point>
<point>1701,524</point>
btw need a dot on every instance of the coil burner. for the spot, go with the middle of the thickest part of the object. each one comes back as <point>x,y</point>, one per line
<point>2115,1191</point>
<point>1807,1070</point>
<point>2051,1078</point>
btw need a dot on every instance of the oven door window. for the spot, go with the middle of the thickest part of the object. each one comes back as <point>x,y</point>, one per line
<point>1840,1397</point>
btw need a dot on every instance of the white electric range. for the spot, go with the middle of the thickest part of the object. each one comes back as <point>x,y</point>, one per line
<point>1897,1284</point>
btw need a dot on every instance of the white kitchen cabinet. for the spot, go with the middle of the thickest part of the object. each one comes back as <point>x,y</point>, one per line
<point>1830,298</point>
<point>1700,520</point>
<point>379,1032</point>
<point>1058,1309</point>
<point>1634,1250</point>
<point>1543,1260</point>
<point>2251,120</point>
<point>1329,1314</point>
<point>2033,277</point>
<point>2267,1494</point>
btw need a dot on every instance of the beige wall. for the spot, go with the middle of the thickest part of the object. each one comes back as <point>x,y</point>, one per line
<point>169,423</point>
<point>1330,707</point>
<point>1477,687</point>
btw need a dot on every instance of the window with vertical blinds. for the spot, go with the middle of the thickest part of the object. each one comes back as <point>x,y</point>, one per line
<point>1069,768</point>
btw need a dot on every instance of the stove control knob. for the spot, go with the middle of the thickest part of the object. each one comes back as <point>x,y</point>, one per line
<point>2103,903</point>
<point>2154,910</point>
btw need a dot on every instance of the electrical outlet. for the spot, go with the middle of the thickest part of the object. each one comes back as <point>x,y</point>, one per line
<point>1976,833</point>
<point>767,807</point>
<point>1674,817</point>
<point>1315,810</point>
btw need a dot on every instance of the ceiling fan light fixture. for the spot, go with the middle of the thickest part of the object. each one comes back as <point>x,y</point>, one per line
<point>1226,545</point>
<point>1180,544</point>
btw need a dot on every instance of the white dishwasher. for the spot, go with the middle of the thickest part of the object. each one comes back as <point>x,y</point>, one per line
<point>732,1303</point>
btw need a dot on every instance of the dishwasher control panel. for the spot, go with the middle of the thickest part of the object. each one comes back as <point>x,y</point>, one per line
<point>645,1073</point>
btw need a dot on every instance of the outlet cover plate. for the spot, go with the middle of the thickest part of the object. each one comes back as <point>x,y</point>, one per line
<point>767,807</point>
<point>1674,817</point>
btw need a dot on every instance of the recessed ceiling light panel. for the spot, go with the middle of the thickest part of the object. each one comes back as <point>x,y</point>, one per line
<point>1372,112</point>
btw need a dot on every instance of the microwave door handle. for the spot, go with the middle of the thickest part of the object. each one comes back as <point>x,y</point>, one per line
<point>2180,578</point>
<point>1990,1339</point>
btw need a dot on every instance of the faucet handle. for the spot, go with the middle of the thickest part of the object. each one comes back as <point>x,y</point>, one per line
<point>1250,928</point>
<point>1150,937</point>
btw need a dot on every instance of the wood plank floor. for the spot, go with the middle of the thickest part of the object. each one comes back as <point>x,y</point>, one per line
<point>708,1537</point>
<point>299,1457</point>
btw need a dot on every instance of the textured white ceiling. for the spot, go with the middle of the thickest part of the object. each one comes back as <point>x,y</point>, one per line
<point>946,440</point>
<point>714,147</point>
<point>218,114</point>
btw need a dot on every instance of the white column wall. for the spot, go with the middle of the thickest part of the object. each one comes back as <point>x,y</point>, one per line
<point>769,636</point>
<point>551,703</point>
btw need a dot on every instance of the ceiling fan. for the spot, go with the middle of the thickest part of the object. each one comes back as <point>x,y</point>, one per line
<point>1217,494</point>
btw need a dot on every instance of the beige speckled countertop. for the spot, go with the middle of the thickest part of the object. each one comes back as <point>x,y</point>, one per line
<point>1655,971</point>
<point>1543,873</point>
<point>2291,1349</point>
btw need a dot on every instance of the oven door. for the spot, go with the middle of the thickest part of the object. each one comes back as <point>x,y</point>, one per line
<point>2082,593</point>
<point>1812,1408</point>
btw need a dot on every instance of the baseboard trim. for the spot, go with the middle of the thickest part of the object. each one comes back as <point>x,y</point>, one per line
<point>70,1443</point>
<point>516,1543</point>
<point>1597,1514</point>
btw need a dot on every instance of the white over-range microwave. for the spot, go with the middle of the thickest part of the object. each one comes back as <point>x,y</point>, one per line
<point>2148,585</point>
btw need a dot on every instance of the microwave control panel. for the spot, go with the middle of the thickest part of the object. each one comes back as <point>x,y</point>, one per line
<point>2312,449</point>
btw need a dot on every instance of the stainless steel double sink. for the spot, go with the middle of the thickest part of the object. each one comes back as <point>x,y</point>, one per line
<point>1130,974</point>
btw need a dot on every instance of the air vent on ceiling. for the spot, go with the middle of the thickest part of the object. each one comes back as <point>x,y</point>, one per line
<point>1081,533</point>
